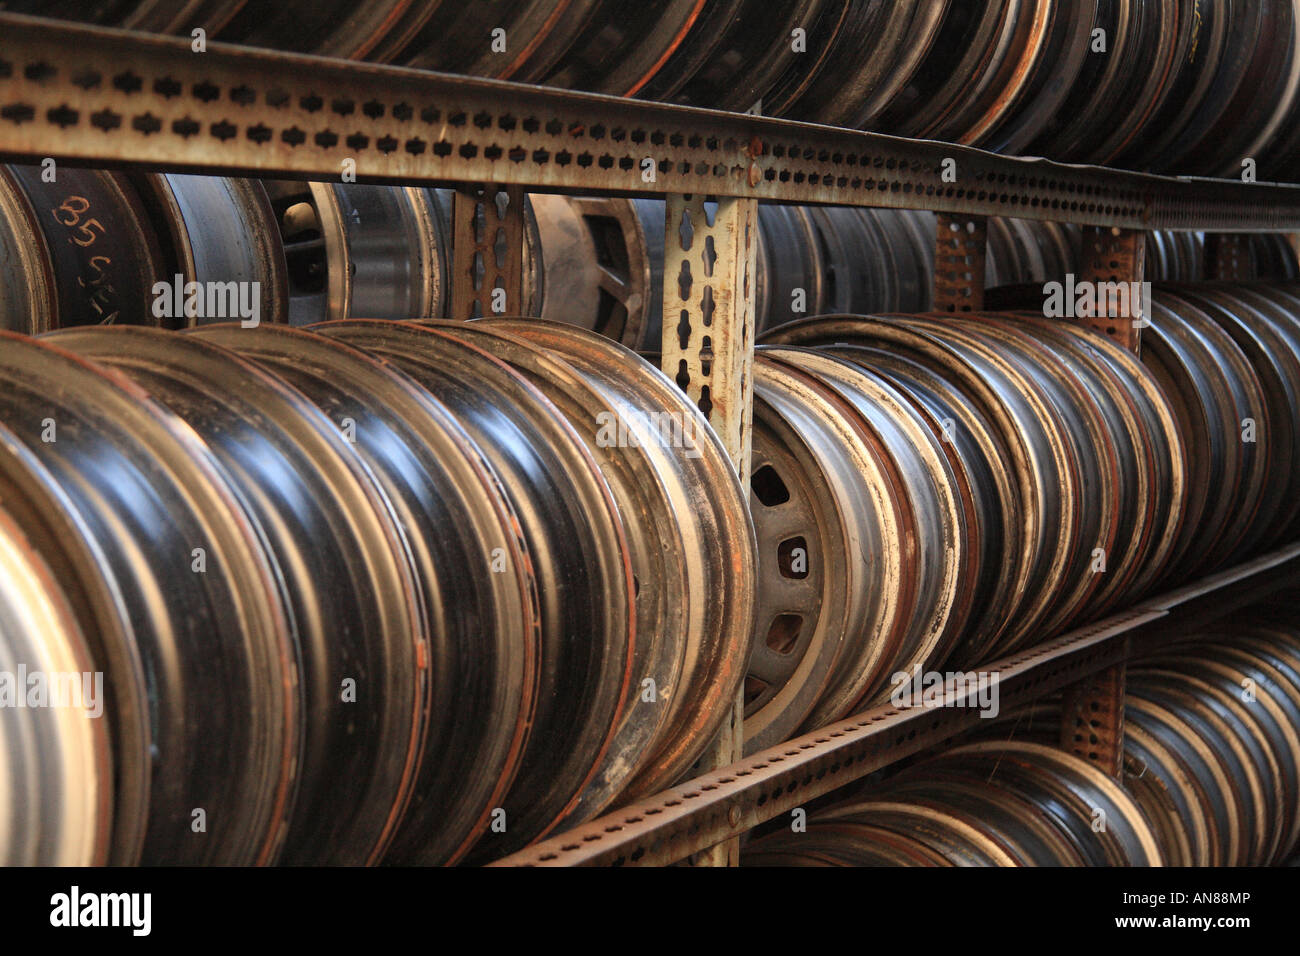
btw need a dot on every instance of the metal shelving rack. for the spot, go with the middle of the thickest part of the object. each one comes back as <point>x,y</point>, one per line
<point>96,97</point>
<point>725,803</point>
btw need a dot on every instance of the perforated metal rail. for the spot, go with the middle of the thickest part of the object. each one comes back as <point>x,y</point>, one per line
<point>727,802</point>
<point>707,347</point>
<point>92,96</point>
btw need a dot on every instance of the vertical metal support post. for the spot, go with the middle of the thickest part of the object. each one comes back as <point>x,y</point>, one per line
<point>1092,720</point>
<point>708,312</point>
<point>487,251</point>
<point>1227,256</point>
<point>959,249</point>
<point>708,349</point>
<point>1113,260</point>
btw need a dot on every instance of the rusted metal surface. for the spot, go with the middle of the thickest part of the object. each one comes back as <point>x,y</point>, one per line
<point>959,250</point>
<point>727,802</point>
<point>1111,256</point>
<point>1092,724</point>
<point>151,102</point>
<point>723,752</point>
<point>487,252</point>
<point>708,311</point>
<point>708,336</point>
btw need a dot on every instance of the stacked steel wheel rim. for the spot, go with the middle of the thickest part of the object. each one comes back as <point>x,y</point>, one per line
<point>981,804</point>
<point>1210,776</point>
<point>1212,750</point>
<point>1022,251</point>
<point>892,571</point>
<point>929,449</point>
<point>153,496</point>
<point>1073,479</point>
<point>59,757</point>
<point>1209,748</point>
<point>440,639</point>
<point>321,251</point>
<point>1003,386</point>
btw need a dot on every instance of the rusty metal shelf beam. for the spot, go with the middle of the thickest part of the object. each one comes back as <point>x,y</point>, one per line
<point>146,101</point>
<point>727,802</point>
